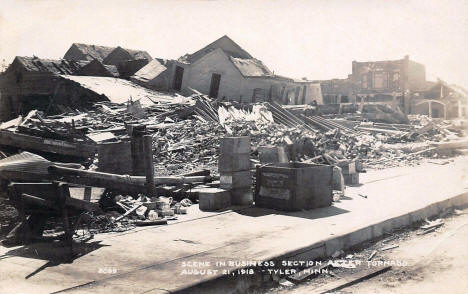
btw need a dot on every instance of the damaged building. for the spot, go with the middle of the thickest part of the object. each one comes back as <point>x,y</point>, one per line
<point>124,62</point>
<point>441,100</point>
<point>97,68</point>
<point>33,83</point>
<point>224,70</point>
<point>54,86</point>
<point>399,84</point>
<point>376,81</point>
<point>78,51</point>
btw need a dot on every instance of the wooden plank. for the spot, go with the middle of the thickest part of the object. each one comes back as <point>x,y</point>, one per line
<point>27,142</point>
<point>459,144</point>
<point>376,130</point>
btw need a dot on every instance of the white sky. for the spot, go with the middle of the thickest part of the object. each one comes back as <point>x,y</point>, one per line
<point>317,39</point>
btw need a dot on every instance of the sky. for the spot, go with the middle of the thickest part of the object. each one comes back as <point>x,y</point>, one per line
<point>317,39</point>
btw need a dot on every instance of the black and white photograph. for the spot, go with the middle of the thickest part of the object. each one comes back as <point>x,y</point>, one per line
<point>231,147</point>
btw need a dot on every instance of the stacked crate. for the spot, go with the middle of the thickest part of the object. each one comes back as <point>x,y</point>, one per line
<point>234,169</point>
<point>350,171</point>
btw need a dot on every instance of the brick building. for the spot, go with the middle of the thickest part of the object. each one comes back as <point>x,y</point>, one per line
<point>389,81</point>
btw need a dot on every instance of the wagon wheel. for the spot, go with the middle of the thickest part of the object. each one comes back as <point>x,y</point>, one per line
<point>82,227</point>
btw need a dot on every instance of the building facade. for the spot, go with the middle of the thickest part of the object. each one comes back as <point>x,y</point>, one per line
<point>388,82</point>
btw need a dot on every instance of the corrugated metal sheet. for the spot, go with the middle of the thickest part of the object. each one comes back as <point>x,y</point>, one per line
<point>25,162</point>
<point>120,91</point>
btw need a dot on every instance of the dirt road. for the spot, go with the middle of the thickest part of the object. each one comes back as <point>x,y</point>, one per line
<point>436,262</point>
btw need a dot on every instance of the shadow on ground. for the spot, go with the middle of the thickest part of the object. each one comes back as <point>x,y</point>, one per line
<point>307,214</point>
<point>55,252</point>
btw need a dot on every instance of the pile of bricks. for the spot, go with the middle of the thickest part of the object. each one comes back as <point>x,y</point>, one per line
<point>234,169</point>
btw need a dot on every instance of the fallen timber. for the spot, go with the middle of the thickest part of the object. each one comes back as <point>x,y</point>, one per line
<point>123,183</point>
<point>33,143</point>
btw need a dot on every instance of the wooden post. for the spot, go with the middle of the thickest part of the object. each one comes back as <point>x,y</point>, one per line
<point>87,193</point>
<point>149,168</point>
<point>137,132</point>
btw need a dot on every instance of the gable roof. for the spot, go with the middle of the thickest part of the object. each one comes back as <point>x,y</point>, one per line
<point>89,52</point>
<point>225,43</point>
<point>248,68</point>
<point>97,68</point>
<point>116,55</point>
<point>139,54</point>
<point>35,64</point>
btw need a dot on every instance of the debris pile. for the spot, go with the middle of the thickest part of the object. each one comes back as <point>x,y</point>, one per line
<point>185,135</point>
<point>142,211</point>
<point>186,145</point>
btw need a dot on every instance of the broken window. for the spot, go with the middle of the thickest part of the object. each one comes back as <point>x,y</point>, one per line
<point>380,80</point>
<point>396,80</point>
<point>304,91</point>
<point>364,81</point>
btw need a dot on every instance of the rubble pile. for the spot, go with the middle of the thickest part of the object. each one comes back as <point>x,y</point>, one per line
<point>186,145</point>
<point>142,211</point>
<point>186,135</point>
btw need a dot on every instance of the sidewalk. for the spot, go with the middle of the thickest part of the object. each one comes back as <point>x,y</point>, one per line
<point>152,259</point>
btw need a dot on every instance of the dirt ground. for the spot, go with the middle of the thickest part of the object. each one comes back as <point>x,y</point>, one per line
<point>429,263</point>
<point>8,214</point>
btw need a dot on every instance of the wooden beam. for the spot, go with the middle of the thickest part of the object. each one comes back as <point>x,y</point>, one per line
<point>27,142</point>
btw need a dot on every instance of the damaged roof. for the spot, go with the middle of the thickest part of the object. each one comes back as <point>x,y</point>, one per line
<point>120,54</point>
<point>150,71</point>
<point>120,91</point>
<point>92,51</point>
<point>251,67</point>
<point>138,54</point>
<point>35,64</point>
<point>112,69</point>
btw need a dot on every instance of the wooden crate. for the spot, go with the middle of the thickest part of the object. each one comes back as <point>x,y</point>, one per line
<point>293,186</point>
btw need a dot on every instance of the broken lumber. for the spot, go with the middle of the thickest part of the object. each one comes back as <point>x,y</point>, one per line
<point>389,247</point>
<point>125,183</point>
<point>134,208</point>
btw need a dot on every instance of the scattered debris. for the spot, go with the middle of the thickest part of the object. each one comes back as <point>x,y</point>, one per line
<point>372,255</point>
<point>389,247</point>
<point>430,226</point>
<point>286,283</point>
<point>337,253</point>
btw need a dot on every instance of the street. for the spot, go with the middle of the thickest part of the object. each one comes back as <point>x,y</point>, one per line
<point>436,262</point>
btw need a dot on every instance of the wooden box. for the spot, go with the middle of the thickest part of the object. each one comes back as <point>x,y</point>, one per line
<point>293,186</point>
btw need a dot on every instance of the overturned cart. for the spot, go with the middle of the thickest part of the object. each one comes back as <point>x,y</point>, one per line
<point>40,190</point>
<point>38,202</point>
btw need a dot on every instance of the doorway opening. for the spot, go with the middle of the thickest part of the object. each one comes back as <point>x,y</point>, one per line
<point>178,76</point>
<point>214,87</point>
